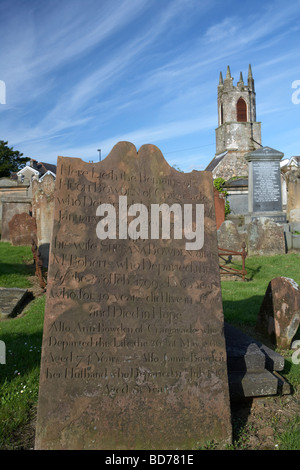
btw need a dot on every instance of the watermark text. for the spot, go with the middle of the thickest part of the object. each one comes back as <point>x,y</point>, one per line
<point>296,94</point>
<point>2,92</point>
<point>161,221</point>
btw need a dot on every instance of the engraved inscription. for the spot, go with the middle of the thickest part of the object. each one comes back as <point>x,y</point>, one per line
<point>266,185</point>
<point>134,308</point>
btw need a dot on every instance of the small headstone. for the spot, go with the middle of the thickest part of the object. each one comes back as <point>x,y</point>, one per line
<point>265,237</point>
<point>11,301</point>
<point>12,205</point>
<point>22,229</point>
<point>293,200</point>
<point>279,314</point>
<point>229,237</point>
<point>133,352</point>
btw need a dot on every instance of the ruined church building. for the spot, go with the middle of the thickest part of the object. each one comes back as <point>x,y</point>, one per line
<point>238,132</point>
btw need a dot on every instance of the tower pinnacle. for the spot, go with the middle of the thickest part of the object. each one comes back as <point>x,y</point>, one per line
<point>250,79</point>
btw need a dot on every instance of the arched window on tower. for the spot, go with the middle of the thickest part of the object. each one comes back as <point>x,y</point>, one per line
<point>221,114</point>
<point>241,110</point>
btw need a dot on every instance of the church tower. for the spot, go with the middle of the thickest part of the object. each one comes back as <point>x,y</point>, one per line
<point>238,132</point>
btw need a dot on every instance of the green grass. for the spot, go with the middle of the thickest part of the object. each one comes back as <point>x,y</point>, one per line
<point>241,300</point>
<point>15,265</point>
<point>19,377</point>
<point>290,438</point>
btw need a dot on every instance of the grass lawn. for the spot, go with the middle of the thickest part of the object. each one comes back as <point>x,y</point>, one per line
<point>241,300</point>
<point>19,377</point>
<point>14,267</point>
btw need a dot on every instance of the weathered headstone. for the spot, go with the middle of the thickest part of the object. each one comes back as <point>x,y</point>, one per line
<point>12,205</point>
<point>133,352</point>
<point>22,229</point>
<point>265,237</point>
<point>293,200</point>
<point>229,237</point>
<point>43,191</point>
<point>279,315</point>
<point>264,191</point>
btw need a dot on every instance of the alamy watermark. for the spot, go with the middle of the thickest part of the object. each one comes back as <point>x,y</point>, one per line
<point>2,352</point>
<point>2,92</point>
<point>296,94</point>
<point>116,223</point>
<point>296,354</point>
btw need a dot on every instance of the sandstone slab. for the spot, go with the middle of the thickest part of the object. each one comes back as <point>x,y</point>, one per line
<point>22,229</point>
<point>279,314</point>
<point>133,352</point>
<point>265,237</point>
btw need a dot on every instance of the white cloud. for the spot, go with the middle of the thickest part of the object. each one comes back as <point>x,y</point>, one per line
<point>223,30</point>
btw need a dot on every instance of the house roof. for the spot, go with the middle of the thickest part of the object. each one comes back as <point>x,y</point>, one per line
<point>215,161</point>
<point>48,173</point>
<point>288,162</point>
<point>26,168</point>
<point>295,160</point>
<point>43,167</point>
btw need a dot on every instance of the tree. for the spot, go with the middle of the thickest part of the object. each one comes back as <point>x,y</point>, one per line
<point>10,160</point>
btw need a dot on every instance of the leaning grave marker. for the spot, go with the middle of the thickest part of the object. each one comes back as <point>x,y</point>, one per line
<point>133,352</point>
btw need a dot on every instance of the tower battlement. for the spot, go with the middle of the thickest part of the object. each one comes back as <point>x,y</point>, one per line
<point>238,132</point>
<point>237,126</point>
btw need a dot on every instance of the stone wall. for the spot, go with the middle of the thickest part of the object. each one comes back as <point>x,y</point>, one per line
<point>232,165</point>
<point>237,135</point>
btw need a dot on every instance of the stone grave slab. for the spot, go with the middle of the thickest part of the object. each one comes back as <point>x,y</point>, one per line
<point>22,229</point>
<point>11,301</point>
<point>264,192</point>
<point>253,367</point>
<point>279,314</point>
<point>134,353</point>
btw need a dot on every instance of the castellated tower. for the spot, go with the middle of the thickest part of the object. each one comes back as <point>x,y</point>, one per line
<point>238,132</point>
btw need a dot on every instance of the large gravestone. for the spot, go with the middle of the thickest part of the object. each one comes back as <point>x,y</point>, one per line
<point>264,192</point>
<point>133,350</point>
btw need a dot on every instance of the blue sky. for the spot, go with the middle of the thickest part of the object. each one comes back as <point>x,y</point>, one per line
<point>85,74</point>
